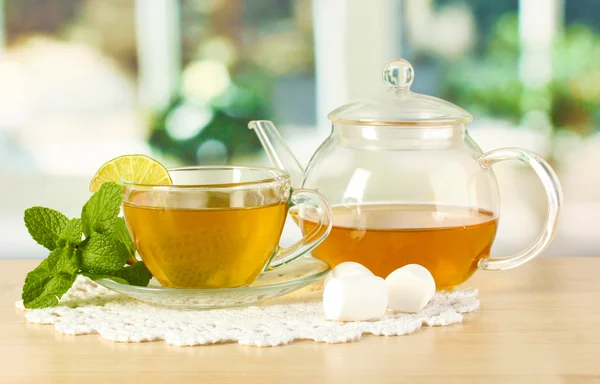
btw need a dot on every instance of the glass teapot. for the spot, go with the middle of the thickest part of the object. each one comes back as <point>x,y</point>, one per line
<point>407,184</point>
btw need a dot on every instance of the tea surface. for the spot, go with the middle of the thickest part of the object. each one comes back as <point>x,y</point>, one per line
<point>206,248</point>
<point>448,241</point>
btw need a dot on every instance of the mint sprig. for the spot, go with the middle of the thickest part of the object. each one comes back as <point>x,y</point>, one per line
<point>102,253</point>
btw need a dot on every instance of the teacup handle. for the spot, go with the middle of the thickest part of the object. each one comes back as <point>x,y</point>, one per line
<point>553,195</point>
<point>313,200</point>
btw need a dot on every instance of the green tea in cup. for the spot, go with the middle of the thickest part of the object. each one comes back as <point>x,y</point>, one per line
<point>218,227</point>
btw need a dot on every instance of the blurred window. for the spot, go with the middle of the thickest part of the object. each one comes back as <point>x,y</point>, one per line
<point>82,81</point>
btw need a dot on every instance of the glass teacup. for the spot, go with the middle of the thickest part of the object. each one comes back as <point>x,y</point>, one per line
<point>218,226</point>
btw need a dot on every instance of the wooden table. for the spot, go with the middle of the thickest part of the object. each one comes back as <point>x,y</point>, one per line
<point>539,323</point>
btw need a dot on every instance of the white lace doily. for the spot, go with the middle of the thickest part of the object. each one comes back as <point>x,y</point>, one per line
<point>89,308</point>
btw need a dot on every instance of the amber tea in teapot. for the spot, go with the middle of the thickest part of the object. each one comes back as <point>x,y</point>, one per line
<point>408,184</point>
<point>448,241</point>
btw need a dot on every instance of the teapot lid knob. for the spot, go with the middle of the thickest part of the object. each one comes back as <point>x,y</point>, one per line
<point>399,74</point>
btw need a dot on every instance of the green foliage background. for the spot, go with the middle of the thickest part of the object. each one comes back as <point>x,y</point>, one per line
<point>490,85</point>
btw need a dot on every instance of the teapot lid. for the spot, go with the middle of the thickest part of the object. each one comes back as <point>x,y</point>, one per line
<point>399,105</point>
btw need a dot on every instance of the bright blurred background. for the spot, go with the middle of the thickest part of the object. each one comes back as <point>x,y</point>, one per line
<point>83,81</point>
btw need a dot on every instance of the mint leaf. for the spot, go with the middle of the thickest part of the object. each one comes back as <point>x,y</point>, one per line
<point>46,292</point>
<point>98,277</point>
<point>45,225</point>
<point>102,209</point>
<point>102,255</point>
<point>72,232</point>
<point>45,285</point>
<point>35,282</point>
<point>63,260</point>
<point>120,232</point>
<point>136,274</point>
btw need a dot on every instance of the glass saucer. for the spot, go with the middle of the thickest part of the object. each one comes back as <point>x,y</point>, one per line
<point>268,285</point>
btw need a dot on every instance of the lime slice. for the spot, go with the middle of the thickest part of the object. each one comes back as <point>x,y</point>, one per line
<point>136,168</point>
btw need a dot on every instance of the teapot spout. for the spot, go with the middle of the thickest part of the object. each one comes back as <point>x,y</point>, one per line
<point>278,151</point>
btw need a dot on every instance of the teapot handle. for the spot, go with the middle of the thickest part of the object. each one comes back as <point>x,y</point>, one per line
<point>553,195</point>
<point>315,201</point>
